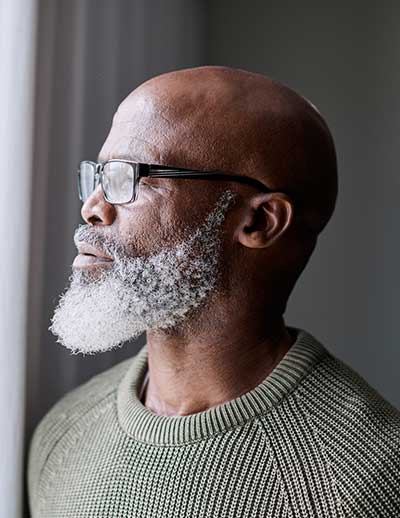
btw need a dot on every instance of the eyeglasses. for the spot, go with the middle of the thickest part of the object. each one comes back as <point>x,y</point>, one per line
<point>119,178</point>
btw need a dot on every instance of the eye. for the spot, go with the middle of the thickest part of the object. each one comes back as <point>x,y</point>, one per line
<point>145,183</point>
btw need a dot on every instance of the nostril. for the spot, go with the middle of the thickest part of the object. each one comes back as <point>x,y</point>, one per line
<point>97,211</point>
<point>93,219</point>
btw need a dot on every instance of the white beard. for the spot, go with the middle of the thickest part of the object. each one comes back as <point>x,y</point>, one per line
<point>134,294</point>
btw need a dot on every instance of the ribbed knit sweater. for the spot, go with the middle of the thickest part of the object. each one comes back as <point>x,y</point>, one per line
<point>314,439</point>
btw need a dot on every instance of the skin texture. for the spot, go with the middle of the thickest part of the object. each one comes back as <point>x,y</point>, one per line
<point>219,118</point>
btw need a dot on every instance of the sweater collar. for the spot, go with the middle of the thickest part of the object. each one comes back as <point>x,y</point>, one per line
<point>144,425</point>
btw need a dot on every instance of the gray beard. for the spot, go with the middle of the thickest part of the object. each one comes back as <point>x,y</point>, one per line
<point>99,313</point>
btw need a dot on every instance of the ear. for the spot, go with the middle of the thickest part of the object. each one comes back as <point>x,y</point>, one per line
<point>266,216</point>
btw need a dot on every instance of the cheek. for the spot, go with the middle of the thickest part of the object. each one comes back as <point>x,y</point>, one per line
<point>160,221</point>
<point>147,229</point>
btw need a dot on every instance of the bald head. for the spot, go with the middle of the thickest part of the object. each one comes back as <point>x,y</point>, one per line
<point>219,118</point>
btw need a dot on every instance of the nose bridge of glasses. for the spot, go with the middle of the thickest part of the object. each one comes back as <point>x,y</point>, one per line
<point>97,175</point>
<point>96,178</point>
<point>98,170</point>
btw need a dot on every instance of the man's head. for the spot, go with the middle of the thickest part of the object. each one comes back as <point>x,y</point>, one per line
<point>207,118</point>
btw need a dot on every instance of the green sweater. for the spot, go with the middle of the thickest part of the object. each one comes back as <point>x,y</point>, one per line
<point>312,440</point>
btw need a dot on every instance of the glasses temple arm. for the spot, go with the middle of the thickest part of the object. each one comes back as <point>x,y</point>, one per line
<point>210,175</point>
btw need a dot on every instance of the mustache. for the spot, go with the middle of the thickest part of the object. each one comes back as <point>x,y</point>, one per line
<point>96,237</point>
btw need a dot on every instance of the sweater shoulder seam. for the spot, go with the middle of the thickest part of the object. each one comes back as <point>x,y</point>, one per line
<point>75,437</point>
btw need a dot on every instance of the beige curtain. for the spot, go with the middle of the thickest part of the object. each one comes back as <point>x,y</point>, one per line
<point>17,45</point>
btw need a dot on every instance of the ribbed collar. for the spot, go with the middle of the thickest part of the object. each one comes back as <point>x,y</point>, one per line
<point>144,425</point>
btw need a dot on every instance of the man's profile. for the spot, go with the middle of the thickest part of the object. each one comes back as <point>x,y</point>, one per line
<point>201,212</point>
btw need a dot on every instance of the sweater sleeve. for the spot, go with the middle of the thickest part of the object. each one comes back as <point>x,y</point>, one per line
<point>59,419</point>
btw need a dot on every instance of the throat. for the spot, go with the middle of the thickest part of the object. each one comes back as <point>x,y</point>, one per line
<point>186,383</point>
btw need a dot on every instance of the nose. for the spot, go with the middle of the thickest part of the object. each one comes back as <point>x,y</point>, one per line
<point>96,210</point>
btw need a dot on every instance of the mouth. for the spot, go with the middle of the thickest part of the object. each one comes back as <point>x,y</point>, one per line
<point>89,256</point>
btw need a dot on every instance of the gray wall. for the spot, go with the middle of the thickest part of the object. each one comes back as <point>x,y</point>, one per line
<point>346,61</point>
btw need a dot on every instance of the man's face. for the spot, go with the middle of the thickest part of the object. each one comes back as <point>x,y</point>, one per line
<point>166,247</point>
<point>165,263</point>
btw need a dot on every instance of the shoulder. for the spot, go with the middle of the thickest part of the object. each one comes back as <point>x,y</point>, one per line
<point>359,432</point>
<point>66,412</point>
<point>346,390</point>
<point>81,398</point>
<point>347,401</point>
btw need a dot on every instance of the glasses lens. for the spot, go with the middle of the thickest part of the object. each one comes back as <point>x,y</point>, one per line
<point>86,179</point>
<point>118,182</point>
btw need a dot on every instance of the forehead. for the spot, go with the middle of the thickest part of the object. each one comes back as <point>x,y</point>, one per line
<point>138,132</point>
<point>120,143</point>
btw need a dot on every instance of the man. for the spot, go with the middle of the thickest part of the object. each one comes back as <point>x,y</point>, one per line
<point>210,193</point>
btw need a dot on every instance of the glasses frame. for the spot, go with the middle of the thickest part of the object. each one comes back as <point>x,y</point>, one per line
<point>142,170</point>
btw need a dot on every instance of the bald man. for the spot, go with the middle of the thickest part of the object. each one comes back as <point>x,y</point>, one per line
<point>201,211</point>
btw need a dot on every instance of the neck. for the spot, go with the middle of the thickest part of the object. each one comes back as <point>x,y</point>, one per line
<point>194,371</point>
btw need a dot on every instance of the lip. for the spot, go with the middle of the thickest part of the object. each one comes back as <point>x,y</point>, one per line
<point>90,256</point>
